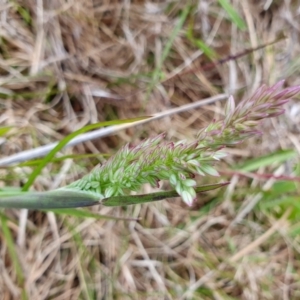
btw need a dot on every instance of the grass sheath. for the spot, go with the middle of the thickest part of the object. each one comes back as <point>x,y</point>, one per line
<point>59,198</point>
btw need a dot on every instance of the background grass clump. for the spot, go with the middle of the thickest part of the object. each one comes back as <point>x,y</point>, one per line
<point>65,65</point>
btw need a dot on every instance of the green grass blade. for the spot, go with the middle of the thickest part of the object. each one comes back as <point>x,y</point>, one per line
<point>157,72</point>
<point>233,15</point>
<point>294,231</point>
<point>50,200</point>
<point>65,141</point>
<point>4,130</point>
<point>67,198</point>
<point>175,32</point>
<point>283,187</point>
<point>13,255</point>
<point>264,161</point>
<point>144,198</point>
<point>83,256</point>
<point>24,13</point>
<point>208,51</point>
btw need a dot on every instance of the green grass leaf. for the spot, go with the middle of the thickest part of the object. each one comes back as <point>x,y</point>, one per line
<point>4,130</point>
<point>157,72</point>
<point>67,198</point>
<point>60,198</point>
<point>13,254</point>
<point>208,51</point>
<point>66,140</point>
<point>233,15</point>
<point>281,187</point>
<point>24,13</point>
<point>264,161</point>
<point>272,203</point>
<point>294,231</point>
<point>144,198</point>
<point>83,255</point>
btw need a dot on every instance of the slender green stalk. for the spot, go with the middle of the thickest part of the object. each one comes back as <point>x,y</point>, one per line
<point>138,199</point>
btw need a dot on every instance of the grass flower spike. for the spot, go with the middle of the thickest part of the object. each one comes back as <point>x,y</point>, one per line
<point>155,159</point>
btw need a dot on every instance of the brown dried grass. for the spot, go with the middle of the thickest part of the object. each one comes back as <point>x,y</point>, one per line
<point>79,62</point>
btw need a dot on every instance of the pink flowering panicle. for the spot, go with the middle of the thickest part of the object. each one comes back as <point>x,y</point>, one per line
<point>156,159</point>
